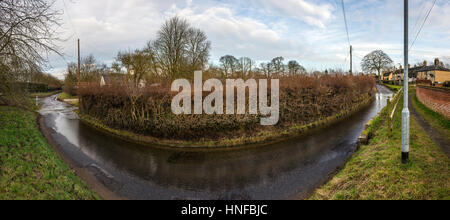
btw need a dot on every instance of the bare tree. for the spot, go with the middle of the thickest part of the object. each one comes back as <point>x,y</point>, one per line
<point>277,64</point>
<point>267,68</point>
<point>139,65</point>
<point>295,68</point>
<point>229,64</point>
<point>89,69</point>
<point>171,45</point>
<point>27,30</point>
<point>179,48</point>
<point>71,79</point>
<point>144,65</point>
<point>198,48</point>
<point>116,67</point>
<point>125,60</point>
<point>245,65</point>
<point>27,37</point>
<point>376,61</point>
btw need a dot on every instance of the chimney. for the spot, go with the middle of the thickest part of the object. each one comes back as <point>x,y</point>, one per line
<point>409,66</point>
<point>425,63</point>
<point>436,62</point>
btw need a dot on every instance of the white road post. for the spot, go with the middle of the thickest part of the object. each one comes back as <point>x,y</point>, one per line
<point>405,112</point>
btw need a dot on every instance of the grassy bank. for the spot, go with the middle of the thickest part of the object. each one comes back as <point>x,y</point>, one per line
<point>436,120</point>
<point>393,88</point>
<point>64,95</point>
<point>376,171</point>
<point>29,168</point>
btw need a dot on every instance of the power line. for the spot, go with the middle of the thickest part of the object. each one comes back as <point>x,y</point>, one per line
<point>345,20</point>
<point>423,24</point>
<point>414,29</point>
<point>70,18</point>
<point>73,26</point>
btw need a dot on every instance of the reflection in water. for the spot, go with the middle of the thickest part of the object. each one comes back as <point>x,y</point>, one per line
<point>276,171</point>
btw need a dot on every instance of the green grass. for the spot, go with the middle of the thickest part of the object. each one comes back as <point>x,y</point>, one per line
<point>393,88</point>
<point>73,99</point>
<point>29,168</point>
<point>376,172</point>
<point>435,119</point>
<point>66,96</point>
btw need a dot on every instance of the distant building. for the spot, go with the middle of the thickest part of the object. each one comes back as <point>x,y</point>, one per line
<point>109,78</point>
<point>387,76</point>
<point>436,73</point>
<point>395,75</point>
<point>105,80</point>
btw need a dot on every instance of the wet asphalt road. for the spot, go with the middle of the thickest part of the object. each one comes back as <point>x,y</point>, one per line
<point>290,169</point>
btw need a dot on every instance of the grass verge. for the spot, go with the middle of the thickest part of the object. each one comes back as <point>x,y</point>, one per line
<point>29,168</point>
<point>376,172</point>
<point>64,95</point>
<point>435,119</point>
<point>393,88</point>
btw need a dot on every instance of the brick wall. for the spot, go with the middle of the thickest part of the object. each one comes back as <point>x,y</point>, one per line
<point>437,99</point>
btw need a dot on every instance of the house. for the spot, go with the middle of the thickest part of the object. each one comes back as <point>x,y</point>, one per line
<point>412,72</point>
<point>436,73</point>
<point>387,76</point>
<point>109,78</point>
<point>395,75</point>
<point>105,80</point>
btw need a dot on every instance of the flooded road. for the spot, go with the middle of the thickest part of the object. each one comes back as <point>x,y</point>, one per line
<point>290,169</point>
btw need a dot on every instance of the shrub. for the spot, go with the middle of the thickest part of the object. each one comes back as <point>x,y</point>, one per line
<point>31,87</point>
<point>147,111</point>
<point>70,89</point>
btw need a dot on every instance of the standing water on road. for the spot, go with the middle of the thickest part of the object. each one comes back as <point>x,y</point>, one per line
<point>289,169</point>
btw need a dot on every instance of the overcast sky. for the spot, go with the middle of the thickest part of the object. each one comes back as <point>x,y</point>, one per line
<point>312,32</point>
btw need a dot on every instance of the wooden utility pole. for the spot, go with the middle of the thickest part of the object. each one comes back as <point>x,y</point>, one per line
<point>351,59</point>
<point>78,68</point>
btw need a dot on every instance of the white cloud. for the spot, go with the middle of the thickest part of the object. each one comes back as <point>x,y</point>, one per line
<point>236,35</point>
<point>310,31</point>
<point>310,13</point>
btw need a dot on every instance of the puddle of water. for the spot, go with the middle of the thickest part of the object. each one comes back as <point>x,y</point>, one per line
<point>276,171</point>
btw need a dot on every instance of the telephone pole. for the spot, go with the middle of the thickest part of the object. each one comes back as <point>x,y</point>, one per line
<point>405,112</point>
<point>78,68</point>
<point>351,59</point>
